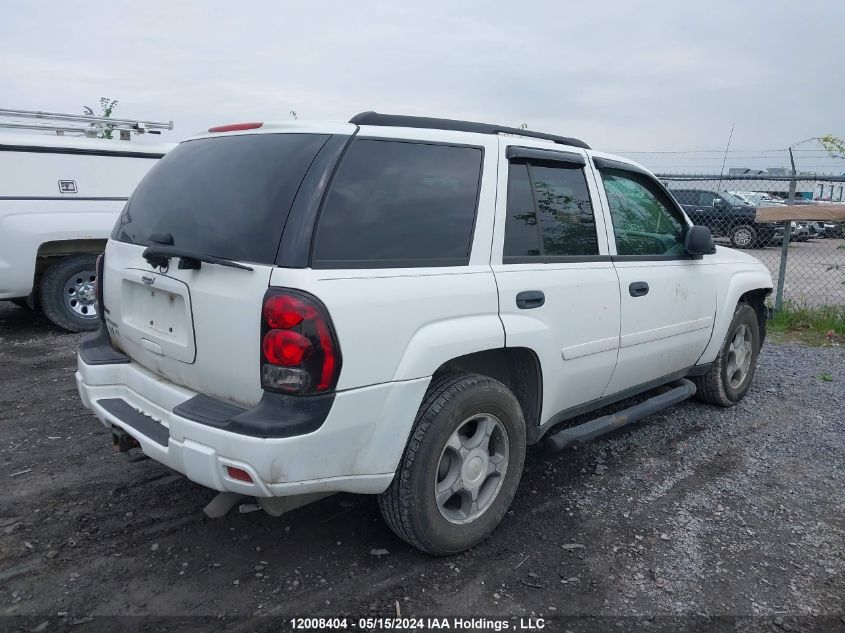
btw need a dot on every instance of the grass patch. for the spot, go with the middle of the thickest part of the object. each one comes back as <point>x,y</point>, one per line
<point>826,377</point>
<point>812,325</point>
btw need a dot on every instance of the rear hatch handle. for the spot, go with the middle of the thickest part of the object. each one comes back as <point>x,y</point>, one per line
<point>157,256</point>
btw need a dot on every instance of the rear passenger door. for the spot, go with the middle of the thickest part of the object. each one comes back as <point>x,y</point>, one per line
<point>668,298</point>
<point>558,290</point>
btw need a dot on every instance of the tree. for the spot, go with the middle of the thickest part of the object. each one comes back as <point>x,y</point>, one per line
<point>107,106</point>
<point>834,145</point>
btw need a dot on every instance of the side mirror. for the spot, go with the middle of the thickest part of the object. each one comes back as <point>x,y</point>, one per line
<point>699,241</point>
<point>718,202</point>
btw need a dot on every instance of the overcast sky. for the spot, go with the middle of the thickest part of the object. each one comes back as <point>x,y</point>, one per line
<point>623,76</point>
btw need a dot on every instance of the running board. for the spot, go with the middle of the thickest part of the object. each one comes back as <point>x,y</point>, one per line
<point>678,392</point>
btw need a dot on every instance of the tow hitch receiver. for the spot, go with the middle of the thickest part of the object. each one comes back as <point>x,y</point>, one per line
<point>121,441</point>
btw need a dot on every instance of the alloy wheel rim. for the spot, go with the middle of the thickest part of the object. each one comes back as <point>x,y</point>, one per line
<point>739,356</point>
<point>743,237</point>
<point>471,468</point>
<point>80,295</point>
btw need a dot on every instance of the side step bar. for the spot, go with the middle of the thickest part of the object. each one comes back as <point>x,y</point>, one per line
<point>678,392</point>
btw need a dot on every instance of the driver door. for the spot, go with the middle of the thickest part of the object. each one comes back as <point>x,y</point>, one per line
<point>668,299</point>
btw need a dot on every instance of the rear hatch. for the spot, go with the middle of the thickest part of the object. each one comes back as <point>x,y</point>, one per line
<point>190,321</point>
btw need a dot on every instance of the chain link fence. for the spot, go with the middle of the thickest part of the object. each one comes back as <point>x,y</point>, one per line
<point>792,222</point>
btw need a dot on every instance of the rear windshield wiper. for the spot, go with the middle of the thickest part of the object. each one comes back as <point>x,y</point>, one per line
<point>160,256</point>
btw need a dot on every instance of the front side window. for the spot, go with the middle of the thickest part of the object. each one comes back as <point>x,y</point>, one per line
<point>399,204</point>
<point>644,220</point>
<point>707,199</point>
<point>549,212</point>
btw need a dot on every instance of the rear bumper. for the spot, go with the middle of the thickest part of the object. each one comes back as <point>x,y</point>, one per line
<point>355,449</point>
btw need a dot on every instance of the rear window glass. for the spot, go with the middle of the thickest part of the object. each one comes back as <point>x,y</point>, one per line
<point>398,204</point>
<point>228,197</point>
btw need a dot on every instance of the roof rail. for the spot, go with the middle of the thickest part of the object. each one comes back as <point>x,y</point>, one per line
<point>399,120</point>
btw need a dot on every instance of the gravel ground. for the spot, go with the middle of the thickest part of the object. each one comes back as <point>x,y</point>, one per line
<point>696,518</point>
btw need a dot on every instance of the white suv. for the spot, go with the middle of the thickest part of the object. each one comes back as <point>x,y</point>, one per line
<point>398,306</point>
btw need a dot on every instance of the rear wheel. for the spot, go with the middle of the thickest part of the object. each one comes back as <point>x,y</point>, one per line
<point>461,467</point>
<point>743,236</point>
<point>729,377</point>
<point>67,293</point>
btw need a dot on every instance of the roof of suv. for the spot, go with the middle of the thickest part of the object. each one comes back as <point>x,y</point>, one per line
<point>399,120</point>
<point>375,119</point>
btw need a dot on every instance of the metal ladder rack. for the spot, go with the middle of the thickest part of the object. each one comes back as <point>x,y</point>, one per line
<point>85,124</point>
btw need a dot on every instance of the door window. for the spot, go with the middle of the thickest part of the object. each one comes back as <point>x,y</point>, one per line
<point>707,198</point>
<point>644,220</point>
<point>686,197</point>
<point>549,212</point>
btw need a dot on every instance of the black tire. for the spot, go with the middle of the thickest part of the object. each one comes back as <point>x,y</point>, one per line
<point>715,386</point>
<point>52,293</point>
<point>743,236</point>
<point>409,506</point>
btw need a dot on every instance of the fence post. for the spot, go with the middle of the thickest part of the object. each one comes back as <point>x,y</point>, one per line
<point>787,231</point>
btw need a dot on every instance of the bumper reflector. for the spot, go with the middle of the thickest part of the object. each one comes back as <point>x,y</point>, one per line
<point>238,473</point>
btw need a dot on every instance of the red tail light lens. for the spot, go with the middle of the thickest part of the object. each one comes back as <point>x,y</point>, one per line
<point>284,311</point>
<point>299,352</point>
<point>286,348</point>
<point>236,127</point>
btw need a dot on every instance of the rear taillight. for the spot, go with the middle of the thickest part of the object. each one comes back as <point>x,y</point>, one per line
<point>98,286</point>
<point>299,351</point>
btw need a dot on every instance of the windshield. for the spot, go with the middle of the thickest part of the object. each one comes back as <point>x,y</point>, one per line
<point>223,196</point>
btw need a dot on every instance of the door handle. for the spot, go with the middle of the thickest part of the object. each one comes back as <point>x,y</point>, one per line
<point>528,299</point>
<point>638,289</point>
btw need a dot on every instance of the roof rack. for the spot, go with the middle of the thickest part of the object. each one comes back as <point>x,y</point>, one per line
<point>398,120</point>
<point>88,125</point>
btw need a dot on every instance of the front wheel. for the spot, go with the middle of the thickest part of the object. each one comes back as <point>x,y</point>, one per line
<point>461,467</point>
<point>729,377</point>
<point>68,295</point>
<point>743,236</point>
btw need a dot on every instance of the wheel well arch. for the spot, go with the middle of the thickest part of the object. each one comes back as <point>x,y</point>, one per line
<point>48,251</point>
<point>518,368</point>
<point>757,300</point>
<point>71,247</point>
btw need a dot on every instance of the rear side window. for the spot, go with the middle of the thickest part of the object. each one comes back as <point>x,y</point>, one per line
<point>686,197</point>
<point>228,197</point>
<point>399,204</point>
<point>549,212</point>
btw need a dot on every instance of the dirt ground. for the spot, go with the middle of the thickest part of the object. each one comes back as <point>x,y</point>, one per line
<point>695,519</point>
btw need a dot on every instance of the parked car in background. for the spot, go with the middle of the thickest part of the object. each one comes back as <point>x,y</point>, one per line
<point>756,199</point>
<point>406,327</point>
<point>728,216</point>
<point>821,229</point>
<point>59,199</point>
<point>799,231</point>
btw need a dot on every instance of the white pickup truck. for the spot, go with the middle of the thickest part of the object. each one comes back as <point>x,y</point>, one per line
<point>59,199</point>
<point>399,306</point>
